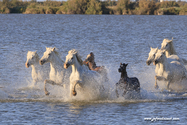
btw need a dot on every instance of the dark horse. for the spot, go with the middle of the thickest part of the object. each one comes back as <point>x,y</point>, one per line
<point>125,83</point>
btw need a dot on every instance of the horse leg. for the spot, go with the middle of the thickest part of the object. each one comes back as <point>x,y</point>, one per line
<point>75,83</point>
<point>124,93</point>
<point>34,82</point>
<point>156,85</point>
<point>50,82</point>
<point>45,89</point>
<point>117,94</point>
<point>168,83</point>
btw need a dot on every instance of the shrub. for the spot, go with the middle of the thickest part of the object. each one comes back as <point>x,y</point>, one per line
<point>94,7</point>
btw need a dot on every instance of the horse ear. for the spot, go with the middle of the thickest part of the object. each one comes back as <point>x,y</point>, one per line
<point>171,40</point>
<point>35,51</point>
<point>54,49</point>
<point>120,63</point>
<point>126,64</point>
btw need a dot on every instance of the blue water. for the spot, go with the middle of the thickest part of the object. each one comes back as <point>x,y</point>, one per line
<point>113,39</point>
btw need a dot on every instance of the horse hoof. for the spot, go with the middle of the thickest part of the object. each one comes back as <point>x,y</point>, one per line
<point>74,93</point>
<point>156,87</point>
<point>47,93</point>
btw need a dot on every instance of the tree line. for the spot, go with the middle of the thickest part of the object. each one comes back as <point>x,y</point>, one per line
<point>120,7</point>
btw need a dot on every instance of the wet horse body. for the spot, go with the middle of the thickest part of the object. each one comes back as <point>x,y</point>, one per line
<point>57,72</point>
<point>125,83</point>
<point>81,75</point>
<point>169,71</point>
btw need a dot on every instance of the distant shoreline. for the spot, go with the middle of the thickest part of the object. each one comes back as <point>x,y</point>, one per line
<point>94,7</point>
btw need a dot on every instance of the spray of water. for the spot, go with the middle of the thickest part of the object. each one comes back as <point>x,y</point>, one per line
<point>27,91</point>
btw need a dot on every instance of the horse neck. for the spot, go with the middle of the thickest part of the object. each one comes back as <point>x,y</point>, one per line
<point>165,65</point>
<point>92,65</point>
<point>76,66</point>
<point>172,49</point>
<point>167,53</point>
<point>35,69</point>
<point>56,63</point>
<point>124,75</point>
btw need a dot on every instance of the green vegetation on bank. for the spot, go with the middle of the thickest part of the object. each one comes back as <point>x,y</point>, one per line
<point>120,7</point>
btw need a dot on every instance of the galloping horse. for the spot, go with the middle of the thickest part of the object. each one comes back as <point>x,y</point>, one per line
<point>57,73</point>
<point>169,71</point>
<point>90,62</point>
<point>125,83</point>
<point>33,61</point>
<point>81,75</point>
<point>168,46</point>
<point>151,59</point>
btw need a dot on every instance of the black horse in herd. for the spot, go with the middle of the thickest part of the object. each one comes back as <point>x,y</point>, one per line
<point>125,83</point>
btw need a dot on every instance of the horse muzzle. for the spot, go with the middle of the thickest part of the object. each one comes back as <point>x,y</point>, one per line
<point>27,65</point>
<point>148,62</point>
<point>41,62</point>
<point>119,70</point>
<point>66,65</point>
<point>155,62</point>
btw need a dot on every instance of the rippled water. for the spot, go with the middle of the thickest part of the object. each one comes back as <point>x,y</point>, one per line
<point>113,39</point>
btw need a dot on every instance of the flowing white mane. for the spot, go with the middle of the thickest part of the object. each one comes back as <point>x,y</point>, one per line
<point>75,52</point>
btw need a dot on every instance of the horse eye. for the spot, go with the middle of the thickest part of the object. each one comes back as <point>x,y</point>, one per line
<point>72,58</point>
<point>49,54</point>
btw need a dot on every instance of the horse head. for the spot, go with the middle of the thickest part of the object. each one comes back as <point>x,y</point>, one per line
<point>48,55</point>
<point>90,57</point>
<point>159,57</point>
<point>32,58</point>
<point>122,67</point>
<point>152,54</point>
<point>166,44</point>
<point>71,58</point>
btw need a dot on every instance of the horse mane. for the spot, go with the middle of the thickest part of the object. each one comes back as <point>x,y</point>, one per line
<point>37,56</point>
<point>56,52</point>
<point>75,52</point>
<point>172,48</point>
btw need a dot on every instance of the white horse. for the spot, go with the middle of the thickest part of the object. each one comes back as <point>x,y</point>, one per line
<point>170,50</point>
<point>81,75</point>
<point>57,72</point>
<point>37,71</point>
<point>151,58</point>
<point>169,71</point>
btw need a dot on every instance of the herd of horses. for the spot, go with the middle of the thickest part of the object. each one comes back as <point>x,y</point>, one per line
<point>168,68</point>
